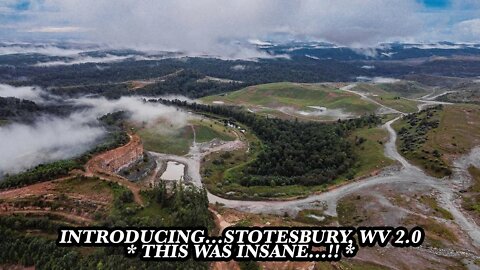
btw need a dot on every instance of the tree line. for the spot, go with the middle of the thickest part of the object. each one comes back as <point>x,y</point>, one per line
<point>295,152</point>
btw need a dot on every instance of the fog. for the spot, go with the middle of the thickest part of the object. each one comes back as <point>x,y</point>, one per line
<point>47,49</point>
<point>218,27</point>
<point>53,138</point>
<point>83,60</point>
<point>24,146</point>
<point>26,92</point>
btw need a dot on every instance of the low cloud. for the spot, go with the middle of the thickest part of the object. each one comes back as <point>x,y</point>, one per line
<point>56,29</point>
<point>49,139</point>
<point>213,26</point>
<point>25,92</point>
<point>84,60</point>
<point>47,49</point>
<point>53,138</point>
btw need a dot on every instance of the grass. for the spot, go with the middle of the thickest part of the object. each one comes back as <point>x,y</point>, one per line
<point>370,153</point>
<point>459,129</point>
<point>471,200</point>
<point>475,173</point>
<point>207,130</point>
<point>294,95</point>
<point>177,142</point>
<point>86,186</point>
<point>348,213</point>
<point>437,210</point>
<point>436,233</point>
<point>3,122</point>
<point>220,172</point>
<point>383,94</point>
<point>457,133</point>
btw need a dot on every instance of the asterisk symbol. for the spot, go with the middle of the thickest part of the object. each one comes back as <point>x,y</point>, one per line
<point>131,249</point>
<point>350,248</point>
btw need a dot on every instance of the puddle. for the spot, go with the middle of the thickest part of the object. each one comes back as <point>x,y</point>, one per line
<point>174,172</point>
<point>322,111</point>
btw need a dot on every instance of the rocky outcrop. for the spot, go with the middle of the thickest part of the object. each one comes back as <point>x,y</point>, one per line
<point>114,160</point>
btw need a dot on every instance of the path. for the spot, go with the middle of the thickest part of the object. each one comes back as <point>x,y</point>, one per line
<point>408,174</point>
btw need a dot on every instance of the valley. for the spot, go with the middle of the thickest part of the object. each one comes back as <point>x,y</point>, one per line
<point>240,151</point>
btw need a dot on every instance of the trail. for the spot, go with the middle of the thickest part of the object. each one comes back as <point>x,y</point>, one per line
<point>349,88</point>
<point>408,174</point>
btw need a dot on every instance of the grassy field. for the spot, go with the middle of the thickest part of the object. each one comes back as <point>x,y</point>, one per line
<point>177,142</point>
<point>298,97</point>
<point>207,130</point>
<point>370,153</point>
<point>163,138</point>
<point>457,133</point>
<point>471,199</point>
<point>383,94</point>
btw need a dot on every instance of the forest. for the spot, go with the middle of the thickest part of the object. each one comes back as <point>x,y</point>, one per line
<point>188,207</point>
<point>295,152</point>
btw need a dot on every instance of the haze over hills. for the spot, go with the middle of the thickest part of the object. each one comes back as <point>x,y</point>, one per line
<point>241,113</point>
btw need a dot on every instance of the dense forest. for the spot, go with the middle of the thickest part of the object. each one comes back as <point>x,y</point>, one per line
<point>295,152</point>
<point>185,82</point>
<point>186,207</point>
<point>112,122</point>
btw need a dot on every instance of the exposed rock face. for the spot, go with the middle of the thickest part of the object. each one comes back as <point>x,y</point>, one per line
<point>114,160</point>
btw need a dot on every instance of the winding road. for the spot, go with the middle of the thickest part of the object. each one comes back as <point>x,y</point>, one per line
<point>408,174</point>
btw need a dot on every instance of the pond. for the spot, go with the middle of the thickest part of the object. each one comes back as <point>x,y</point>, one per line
<point>174,172</point>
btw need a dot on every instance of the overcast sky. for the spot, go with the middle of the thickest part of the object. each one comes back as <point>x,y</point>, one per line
<point>213,26</point>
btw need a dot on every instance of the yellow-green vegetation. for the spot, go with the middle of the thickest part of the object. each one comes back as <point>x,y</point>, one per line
<point>436,233</point>
<point>263,98</point>
<point>164,138</point>
<point>207,130</point>
<point>437,210</point>
<point>368,146</point>
<point>175,142</point>
<point>349,211</point>
<point>383,94</point>
<point>431,137</point>
<point>84,185</point>
<point>471,199</point>
<point>3,122</point>
<point>475,173</point>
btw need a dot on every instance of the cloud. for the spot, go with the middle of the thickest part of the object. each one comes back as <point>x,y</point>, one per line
<point>46,49</point>
<point>83,60</point>
<point>469,30</point>
<point>213,26</point>
<point>24,146</point>
<point>56,29</point>
<point>53,138</point>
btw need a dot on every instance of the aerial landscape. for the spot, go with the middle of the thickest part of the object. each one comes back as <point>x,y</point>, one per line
<point>239,114</point>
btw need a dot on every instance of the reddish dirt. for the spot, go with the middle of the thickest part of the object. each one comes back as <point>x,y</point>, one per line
<point>32,190</point>
<point>115,159</point>
<point>106,164</point>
